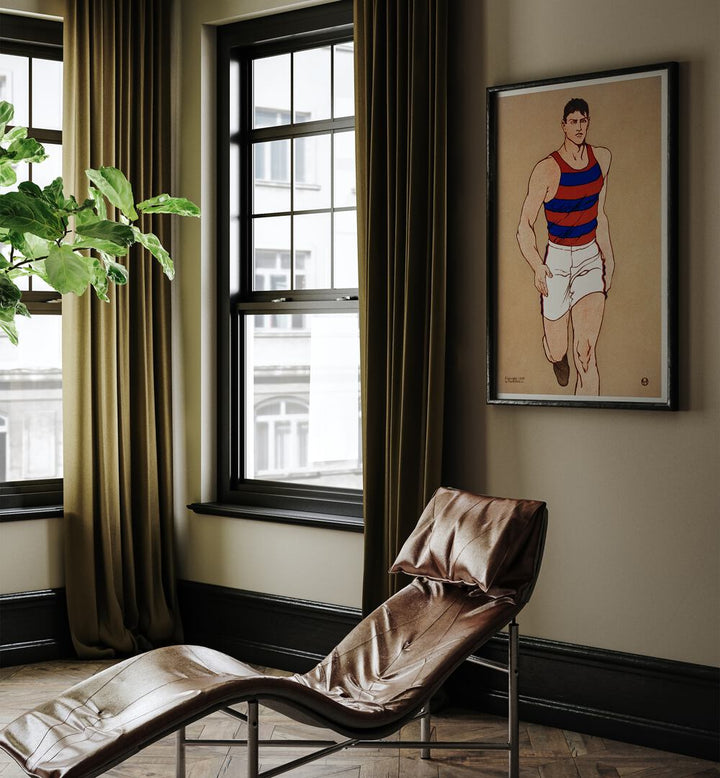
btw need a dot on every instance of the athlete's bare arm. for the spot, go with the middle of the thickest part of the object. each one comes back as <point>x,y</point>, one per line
<point>543,184</point>
<point>602,236</point>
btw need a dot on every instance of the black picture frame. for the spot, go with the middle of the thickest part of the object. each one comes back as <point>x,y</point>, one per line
<point>609,197</point>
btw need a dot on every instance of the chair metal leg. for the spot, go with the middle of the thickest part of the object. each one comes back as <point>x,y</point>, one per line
<point>180,753</point>
<point>425,731</point>
<point>513,714</point>
<point>252,740</point>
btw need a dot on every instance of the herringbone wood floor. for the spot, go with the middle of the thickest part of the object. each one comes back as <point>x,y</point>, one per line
<point>544,752</point>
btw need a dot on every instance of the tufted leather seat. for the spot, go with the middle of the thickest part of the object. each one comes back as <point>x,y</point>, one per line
<point>474,560</point>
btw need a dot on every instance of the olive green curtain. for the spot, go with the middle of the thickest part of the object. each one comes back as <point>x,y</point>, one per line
<point>401,52</point>
<point>120,572</point>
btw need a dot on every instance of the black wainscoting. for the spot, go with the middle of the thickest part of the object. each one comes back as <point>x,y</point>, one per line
<point>34,627</point>
<point>668,705</point>
<point>673,706</point>
<point>265,629</point>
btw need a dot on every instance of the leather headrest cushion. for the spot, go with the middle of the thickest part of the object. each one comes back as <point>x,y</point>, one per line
<point>468,539</point>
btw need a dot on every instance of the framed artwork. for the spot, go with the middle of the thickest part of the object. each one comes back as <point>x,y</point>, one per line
<point>582,214</point>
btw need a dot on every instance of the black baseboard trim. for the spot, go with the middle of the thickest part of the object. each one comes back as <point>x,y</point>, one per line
<point>34,627</point>
<point>663,704</point>
<point>659,703</point>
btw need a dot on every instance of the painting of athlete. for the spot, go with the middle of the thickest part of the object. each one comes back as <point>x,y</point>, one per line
<point>575,273</point>
<point>567,325</point>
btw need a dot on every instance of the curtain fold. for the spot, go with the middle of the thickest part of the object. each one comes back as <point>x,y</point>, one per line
<point>119,543</point>
<point>401,85</point>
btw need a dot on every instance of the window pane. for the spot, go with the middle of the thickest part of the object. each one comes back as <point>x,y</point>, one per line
<point>271,91</point>
<point>346,254</point>
<point>311,80</point>
<point>345,194</point>
<point>234,97</point>
<point>271,190</point>
<point>31,401</point>
<point>14,87</point>
<point>312,172</point>
<point>344,80</point>
<point>45,172</point>
<point>47,94</point>
<point>271,239</point>
<point>303,400</point>
<point>312,244</point>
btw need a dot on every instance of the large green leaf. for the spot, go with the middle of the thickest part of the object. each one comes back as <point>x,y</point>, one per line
<point>27,150</point>
<point>53,193</point>
<point>6,113</point>
<point>31,246</point>
<point>164,203</point>
<point>152,244</point>
<point>99,202</point>
<point>113,184</point>
<point>120,234</point>
<point>31,189</point>
<point>7,313</point>
<point>14,134</point>
<point>67,271</point>
<point>9,328</point>
<point>105,246</point>
<point>8,176</point>
<point>28,214</point>
<point>100,280</point>
<point>9,293</point>
<point>117,272</point>
<point>86,206</point>
<point>87,216</point>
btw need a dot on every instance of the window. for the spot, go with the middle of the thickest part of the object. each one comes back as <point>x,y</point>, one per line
<point>30,373</point>
<point>289,396</point>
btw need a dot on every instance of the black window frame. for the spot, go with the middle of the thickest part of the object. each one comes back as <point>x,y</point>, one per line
<point>33,37</point>
<point>240,43</point>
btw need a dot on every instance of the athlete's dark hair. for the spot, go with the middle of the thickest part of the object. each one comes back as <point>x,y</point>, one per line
<point>576,104</point>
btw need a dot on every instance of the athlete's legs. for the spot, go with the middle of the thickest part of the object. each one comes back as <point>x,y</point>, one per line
<point>556,311</point>
<point>587,317</point>
<point>555,342</point>
<point>555,345</point>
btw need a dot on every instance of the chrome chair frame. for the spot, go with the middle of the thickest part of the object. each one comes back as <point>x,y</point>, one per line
<point>328,747</point>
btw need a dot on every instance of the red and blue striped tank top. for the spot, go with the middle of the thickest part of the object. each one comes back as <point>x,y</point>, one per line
<point>572,213</point>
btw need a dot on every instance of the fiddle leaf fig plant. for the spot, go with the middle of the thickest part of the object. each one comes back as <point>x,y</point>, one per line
<point>69,244</point>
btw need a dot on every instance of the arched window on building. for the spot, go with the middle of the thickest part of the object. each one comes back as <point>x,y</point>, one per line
<point>281,437</point>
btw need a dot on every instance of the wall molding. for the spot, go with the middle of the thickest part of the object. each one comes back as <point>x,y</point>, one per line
<point>664,704</point>
<point>33,627</point>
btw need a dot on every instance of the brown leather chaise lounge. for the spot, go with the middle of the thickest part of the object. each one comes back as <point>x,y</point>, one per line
<point>474,562</point>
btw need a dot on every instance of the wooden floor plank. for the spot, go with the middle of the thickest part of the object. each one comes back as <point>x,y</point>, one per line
<point>544,752</point>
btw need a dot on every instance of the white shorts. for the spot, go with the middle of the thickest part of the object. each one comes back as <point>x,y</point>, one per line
<point>577,272</point>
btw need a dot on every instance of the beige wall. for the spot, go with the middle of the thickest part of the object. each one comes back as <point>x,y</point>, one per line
<point>634,546</point>
<point>633,551</point>
<point>51,8</point>
<point>633,554</point>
